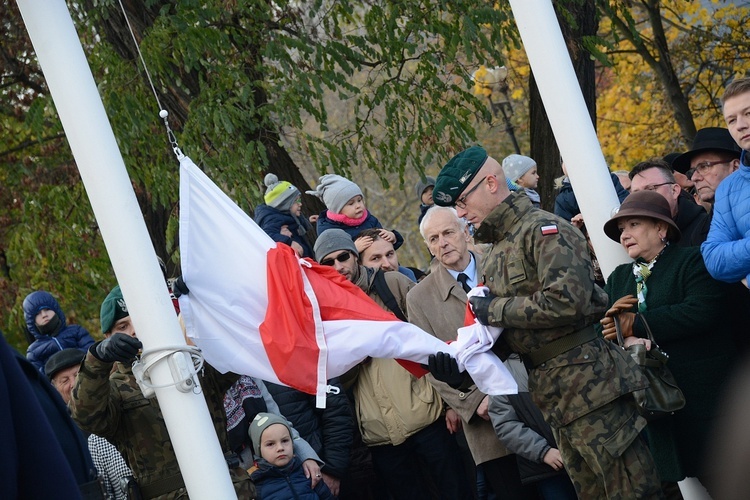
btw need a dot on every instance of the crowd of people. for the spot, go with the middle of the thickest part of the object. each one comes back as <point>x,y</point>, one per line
<point>573,430</point>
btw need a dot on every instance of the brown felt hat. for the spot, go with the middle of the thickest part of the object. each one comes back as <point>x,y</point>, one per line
<point>643,204</point>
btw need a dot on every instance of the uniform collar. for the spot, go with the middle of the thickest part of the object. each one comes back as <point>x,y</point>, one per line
<point>500,221</point>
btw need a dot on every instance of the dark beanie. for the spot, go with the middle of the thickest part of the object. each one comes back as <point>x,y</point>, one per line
<point>62,360</point>
<point>333,240</point>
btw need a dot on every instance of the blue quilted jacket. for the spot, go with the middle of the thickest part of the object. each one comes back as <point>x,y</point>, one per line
<point>726,251</point>
<point>44,346</point>
<point>287,483</point>
<point>270,221</point>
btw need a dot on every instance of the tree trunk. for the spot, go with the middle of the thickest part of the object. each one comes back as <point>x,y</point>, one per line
<point>543,145</point>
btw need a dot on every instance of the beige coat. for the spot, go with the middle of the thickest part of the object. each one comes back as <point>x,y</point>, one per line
<point>391,404</point>
<point>437,305</point>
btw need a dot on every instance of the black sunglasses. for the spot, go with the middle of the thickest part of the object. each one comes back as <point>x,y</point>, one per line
<point>342,257</point>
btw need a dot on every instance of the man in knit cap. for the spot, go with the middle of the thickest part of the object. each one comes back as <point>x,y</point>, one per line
<point>522,171</point>
<point>281,215</point>
<point>394,424</point>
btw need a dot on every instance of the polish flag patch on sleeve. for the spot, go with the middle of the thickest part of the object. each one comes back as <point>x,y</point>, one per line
<point>549,229</point>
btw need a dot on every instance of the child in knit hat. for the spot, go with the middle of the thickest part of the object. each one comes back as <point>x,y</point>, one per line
<point>281,216</point>
<point>346,210</point>
<point>424,188</point>
<point>279,473</point>
<point>522,171</point>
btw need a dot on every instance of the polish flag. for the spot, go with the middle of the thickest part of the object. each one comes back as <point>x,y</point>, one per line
<point>255,308</point>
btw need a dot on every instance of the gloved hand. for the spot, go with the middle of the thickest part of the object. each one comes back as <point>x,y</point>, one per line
<point>445,369</point>
<point>623,304</point>
<point>627,320</point>
<point>117,347</point>
<point>481,307</point>
<point>179,287</point>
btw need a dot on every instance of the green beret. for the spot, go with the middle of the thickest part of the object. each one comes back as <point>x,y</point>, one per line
<point>457,174</point>
<point>113,309</point>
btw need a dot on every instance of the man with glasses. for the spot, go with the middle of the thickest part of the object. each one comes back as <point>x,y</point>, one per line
<point>400,417</point>
<point>691,218</point>
<point>712,158</point>
<point>542,292</point>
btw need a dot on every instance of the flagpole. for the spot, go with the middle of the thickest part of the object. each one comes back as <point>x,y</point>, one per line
<point>131,252</point>
<point>571,123</point>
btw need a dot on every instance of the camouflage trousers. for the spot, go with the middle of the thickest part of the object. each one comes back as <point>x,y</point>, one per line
<point>605,455</point>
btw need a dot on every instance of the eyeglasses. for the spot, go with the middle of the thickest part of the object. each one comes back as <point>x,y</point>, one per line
<point>342,257</point>
<point>654,187</point>
<point>704,166</point>
<point>461,202</point>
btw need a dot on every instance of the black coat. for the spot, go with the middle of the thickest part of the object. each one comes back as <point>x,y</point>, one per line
<point>692,220</point>
<point>33,462</point>
<point>329,431</point>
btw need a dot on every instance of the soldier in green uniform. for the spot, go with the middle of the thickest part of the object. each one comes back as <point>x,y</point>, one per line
<point>113,406</point>
<point>542,289</point>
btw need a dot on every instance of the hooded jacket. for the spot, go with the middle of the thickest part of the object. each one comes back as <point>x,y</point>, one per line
<point>66,336</point>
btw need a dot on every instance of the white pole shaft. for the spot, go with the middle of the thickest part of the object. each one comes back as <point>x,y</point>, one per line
<point>571,123</point>
<point>130,250</point>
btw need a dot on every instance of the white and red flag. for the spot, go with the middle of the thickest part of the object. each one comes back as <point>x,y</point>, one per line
<point>255,308</point>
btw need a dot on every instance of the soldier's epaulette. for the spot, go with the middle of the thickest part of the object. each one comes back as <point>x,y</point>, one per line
<point>549,229</point>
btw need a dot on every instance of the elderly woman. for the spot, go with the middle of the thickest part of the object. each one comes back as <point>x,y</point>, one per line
<point>668,288</point>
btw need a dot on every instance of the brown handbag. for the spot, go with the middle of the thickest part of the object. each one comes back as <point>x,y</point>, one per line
<point>662,397</point>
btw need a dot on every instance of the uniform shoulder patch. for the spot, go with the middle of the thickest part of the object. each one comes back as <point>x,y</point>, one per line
<point>549,229</point>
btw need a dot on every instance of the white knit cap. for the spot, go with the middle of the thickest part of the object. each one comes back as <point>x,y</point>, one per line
<point>335,191</point>
<point>514,166</point>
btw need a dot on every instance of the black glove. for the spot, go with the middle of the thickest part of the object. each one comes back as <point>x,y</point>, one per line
<point>179,287</point>
<point>118,347</point>
<point>481,307</point>
<point>445,369</point>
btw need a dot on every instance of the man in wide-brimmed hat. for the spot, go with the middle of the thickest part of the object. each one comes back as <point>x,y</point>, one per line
<point>712,158</point>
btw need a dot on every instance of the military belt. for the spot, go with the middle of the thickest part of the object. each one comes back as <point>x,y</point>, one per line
<point>162,486</point>
<point>559,346</point>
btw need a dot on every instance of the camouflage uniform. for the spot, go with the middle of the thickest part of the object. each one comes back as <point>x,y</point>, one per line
<point>546,291</point>
<point>113,407</point>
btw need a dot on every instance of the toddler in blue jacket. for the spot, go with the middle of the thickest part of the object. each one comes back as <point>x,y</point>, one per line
<point>279,474</point>
<point>346,210</point>
<point>280,217</point>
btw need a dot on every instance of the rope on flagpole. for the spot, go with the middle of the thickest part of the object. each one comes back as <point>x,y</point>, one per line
<point>163,113</point>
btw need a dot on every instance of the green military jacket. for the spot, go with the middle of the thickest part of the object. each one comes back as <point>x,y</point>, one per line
<point>540,269</point>
<point>113,407</point>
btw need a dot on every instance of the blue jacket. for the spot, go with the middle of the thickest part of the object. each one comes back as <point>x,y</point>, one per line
<point>270,221</point>
<point>44,346</point>
<point>371,222</point>
<point>726,251</point>
<point>286,483</point>
<point>566,205</point>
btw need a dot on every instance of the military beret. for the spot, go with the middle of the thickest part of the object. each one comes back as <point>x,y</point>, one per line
<point>62,360</point>
<point>457,174</point>
<point>113,309</point>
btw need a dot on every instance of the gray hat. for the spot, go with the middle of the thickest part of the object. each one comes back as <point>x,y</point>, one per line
<point>333,240</point>
<point>335,191</point>
<point>280,195</point>
<point>62,360</point>
<point>514,166</point>
<point>422,184</point>
<point>260,423</point>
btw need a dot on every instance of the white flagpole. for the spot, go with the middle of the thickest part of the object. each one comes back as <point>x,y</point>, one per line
<point>571,123</point>
<point>130,250</point>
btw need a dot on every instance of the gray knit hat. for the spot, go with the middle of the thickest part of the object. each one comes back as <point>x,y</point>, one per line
<point>514,166</point>
<point>335,191</point>
<point>260,423</point>
<point>422,184</point>
<point>333,240</point>
<point>279,195</point>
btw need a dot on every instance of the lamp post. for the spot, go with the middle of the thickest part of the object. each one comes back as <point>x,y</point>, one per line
<point>494,81</point>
